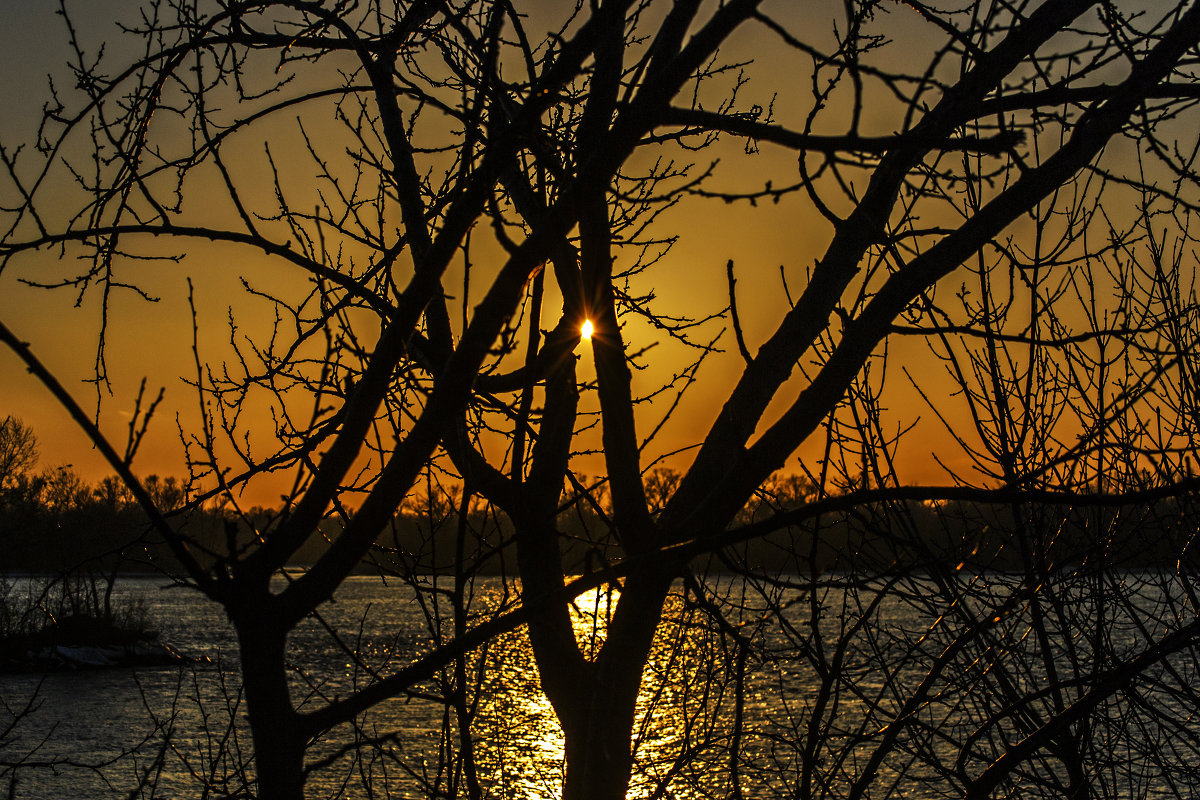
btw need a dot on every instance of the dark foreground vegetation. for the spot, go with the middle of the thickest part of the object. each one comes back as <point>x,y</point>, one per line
<point>70,622</point>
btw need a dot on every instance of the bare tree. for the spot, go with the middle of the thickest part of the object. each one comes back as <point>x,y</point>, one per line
<point>461,172</point>
<point>18,450</point>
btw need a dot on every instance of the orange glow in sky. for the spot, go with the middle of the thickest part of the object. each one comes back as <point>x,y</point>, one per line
<point>235,291</point>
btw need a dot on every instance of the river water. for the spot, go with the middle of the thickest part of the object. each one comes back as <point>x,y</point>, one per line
<point>180,732</point>
<point>102,733</point>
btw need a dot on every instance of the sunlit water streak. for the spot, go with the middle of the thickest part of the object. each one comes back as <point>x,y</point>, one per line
<point>90,717</point>
<point>684,707</point>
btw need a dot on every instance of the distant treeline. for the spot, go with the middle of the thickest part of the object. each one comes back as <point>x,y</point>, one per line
<point>54,522</point>
<point>980,536</point>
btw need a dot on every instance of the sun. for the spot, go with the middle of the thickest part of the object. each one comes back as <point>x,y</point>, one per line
<point>586,330</point>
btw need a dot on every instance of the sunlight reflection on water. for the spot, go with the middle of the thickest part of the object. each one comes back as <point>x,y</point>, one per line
<point>684,706</point>
<point>524,744</point>
<point>519,745</point>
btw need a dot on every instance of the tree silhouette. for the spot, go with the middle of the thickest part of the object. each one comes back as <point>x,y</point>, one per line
<point>411,190</point>
<point>18,451</point>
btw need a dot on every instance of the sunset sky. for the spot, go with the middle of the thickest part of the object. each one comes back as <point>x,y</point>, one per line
<point>454,286</point>
<point>154,340</point>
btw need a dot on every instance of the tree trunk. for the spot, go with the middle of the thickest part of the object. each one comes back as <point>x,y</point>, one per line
<point>599,727</point>
<point>278,745</point>
<point>598,750</point>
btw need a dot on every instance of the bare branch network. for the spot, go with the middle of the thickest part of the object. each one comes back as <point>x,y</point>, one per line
<point>890,308</point>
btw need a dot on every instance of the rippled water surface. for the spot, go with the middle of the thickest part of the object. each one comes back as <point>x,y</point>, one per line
<point>180,732</point>
<point>171,726</point>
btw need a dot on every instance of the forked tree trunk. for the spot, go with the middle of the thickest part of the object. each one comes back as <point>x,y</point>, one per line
<point>599,727</point>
